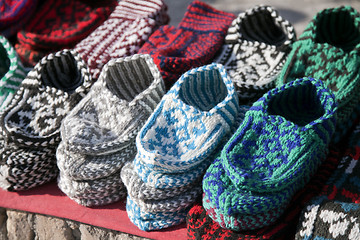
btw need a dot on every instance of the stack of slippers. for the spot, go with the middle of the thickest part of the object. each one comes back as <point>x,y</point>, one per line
<point>98,135</point>
<point>177,144</point>
<point>30,124</point>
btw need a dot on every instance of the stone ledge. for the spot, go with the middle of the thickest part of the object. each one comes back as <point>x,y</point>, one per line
<point>28,226</point>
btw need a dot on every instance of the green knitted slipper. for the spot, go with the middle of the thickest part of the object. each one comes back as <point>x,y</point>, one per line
<point>11,71</point>
<point>329,49</point>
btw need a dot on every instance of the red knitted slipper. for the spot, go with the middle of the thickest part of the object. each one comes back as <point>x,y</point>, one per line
<point>61,24</point>
<point>194,43</point>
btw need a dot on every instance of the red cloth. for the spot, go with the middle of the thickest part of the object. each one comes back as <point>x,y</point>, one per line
<point>49,200</point>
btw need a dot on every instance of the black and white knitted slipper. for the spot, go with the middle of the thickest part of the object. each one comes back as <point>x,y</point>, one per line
<point>255,49</point>
<point>139,190</point>
<point>47,94</point>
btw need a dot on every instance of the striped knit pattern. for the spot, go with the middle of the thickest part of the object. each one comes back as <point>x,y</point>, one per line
<point>255,49</point>
<point>14,14</point>
<point>176,145</point>
<point>30,124</point>
<point>277,148</point>
<point>96,140</point>
<point>137,189</point>
<point>11,70</point>
<point>59,25</point>
<point>148,222</point>
<point>123,33</point>
<point>201,226</point>
<point>193,43</point>
<point>328,49</point>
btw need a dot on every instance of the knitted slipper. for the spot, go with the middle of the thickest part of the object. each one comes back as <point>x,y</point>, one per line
<point>131,86</point>
<point>61,24</point>
<point>45,97</point>
<point>137,189</point>
<point>14,14</point>
<point>148,222</point>
<point>189,122</point>
<point>123,33</point>
<point>261,175</point>
<point>192,44</point>
<point>256,47</point>
<point>329,49</point>
<point>201,226</point>
<point>11,71</point>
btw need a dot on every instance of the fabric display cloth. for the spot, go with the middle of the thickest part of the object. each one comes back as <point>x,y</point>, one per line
<point>11,71</point>
<point>123,33</point>
<point>30,124</point>
<point>96,140</point>
<point>194,43</point>
<point>335,213</point>
<point>329,49</point>
<point>256,46</point>
<point>14,14</point>
<point>277,148</point>
<point>58,25</point>
<point>176,144</point>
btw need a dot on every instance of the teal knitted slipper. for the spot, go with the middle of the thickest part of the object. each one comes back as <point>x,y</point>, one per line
<point>11,71</point>
<point>276,149</point>
<point>329,50</point>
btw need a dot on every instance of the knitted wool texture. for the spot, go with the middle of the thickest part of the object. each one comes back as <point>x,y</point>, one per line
<point>11,71</point>
<point>255,49</point>
<point>193,43</point>
<point>274,152</point>
<point>96,140</point>
<point>123,33</point>
<point>334,213</point>
<point>14,14</point>
<point>201,226</point>
<point>30,124</point>
<point>181,135</point>
<point>329,50</point>
<point>58,25</point>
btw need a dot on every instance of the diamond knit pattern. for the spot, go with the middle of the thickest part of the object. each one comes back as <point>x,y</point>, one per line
<point>193,43</point>
<point>255,49</point>
<point>255,175</point>
<point>123,33</point>
<point>332,55</point>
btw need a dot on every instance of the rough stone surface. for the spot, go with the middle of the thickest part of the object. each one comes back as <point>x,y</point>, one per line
<point>29,226</point>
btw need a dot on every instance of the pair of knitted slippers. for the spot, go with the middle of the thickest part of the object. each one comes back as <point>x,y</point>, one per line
<point>177,144</point>
<point>256,47</point>
<point>98,135</point>
<point>276,149</point>
<point>30,124</point>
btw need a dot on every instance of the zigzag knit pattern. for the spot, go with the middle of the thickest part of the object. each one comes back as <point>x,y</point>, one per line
<point>328,49</point>
<point>193,43</point>
<point>274,152</point>
<point>14,14</point>
<point>30,123</point>
<point>58,25</point>
<point>255,49</point>
<point>123,33</point>
<point>11,71</point>
<point>96,140</point>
